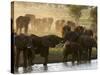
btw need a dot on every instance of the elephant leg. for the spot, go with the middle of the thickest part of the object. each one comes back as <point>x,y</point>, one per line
<point>78,57</point>
<point>89,56</point>
<point>65,57</point>
<point>17,60</point>
<point>25,60</point>
<point>73,58</point>
<point>26,29</point>
<point>85,54</point>
<point>46,60</point>
<point>29,51</point>
<point>31,56</point>
<point>20,30</point>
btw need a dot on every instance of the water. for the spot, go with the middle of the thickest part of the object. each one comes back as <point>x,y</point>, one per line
<point>55,67</point>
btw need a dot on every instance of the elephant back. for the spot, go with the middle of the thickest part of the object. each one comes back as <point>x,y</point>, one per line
<point>71,36</point>
<point>21,41</point>
<point>87,41</point>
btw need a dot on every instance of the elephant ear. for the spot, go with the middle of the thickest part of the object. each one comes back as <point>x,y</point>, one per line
<point>46,42</point>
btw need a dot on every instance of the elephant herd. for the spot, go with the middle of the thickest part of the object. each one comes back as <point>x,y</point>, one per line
<point>37,24</point>
<point>78,43</point>
<point>77,40</point>
<point>43,24</point>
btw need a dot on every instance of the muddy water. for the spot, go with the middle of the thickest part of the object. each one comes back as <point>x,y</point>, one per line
<point>55,67</point>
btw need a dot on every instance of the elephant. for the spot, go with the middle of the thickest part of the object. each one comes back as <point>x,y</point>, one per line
<point>37,24</point>
<point>23,44</point>
<point>41,45</point>
<point>31,45</point>
<point>87,43</point>
<point>43,24</point>
<point>22,22</point>
<point>71,46</point>
<point>40,25</point>
<point>89,32</point>
<point>59,25</point>
<point>49,23</point>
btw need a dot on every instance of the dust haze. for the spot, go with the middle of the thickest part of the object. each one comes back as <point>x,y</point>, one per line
<point>45,10</point>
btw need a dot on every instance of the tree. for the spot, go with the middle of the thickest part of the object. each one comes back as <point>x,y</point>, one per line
<point>93,16</point>
<point>75,12</point>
